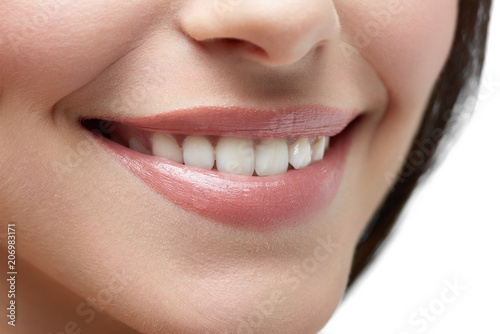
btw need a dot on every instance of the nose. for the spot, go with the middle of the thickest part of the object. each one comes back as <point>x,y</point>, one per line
<point>274,32</point>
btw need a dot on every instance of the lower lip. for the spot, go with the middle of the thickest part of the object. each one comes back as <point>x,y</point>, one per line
<point>249,202</point>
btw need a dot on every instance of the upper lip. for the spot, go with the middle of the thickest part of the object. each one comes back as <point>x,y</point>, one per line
<point>297,121</point>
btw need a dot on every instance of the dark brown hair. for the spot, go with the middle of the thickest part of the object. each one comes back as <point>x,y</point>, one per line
<point>458,81</point>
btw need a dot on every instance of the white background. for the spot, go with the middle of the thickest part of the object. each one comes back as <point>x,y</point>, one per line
<point>450,231</point>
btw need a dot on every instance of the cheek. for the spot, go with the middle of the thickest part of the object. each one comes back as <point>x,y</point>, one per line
<point>50,48</point>
<point>407,43</point>
<point>414,56</point>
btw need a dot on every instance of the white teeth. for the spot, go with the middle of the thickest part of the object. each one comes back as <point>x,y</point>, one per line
<point>136,145</point>
<point>318,148</point>
<point>166,146</point>
<point>235,156</point>
<point>198,152</point>
<point>238,156</point>
<point>271,157</point>
<point>299,153</point>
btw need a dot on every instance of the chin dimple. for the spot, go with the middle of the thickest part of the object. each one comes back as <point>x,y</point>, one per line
<point>236,155</point>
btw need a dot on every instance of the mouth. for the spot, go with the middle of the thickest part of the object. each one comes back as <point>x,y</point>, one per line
<point>249,168</point>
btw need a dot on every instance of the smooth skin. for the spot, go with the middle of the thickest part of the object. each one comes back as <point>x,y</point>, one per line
<point>88,231</point>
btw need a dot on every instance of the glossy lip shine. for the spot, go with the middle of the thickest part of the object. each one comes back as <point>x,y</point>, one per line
<point>250,202</point>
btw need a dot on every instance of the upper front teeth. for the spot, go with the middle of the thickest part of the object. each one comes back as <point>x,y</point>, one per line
<point>239,156</point>
<point>235,156</point>
<point>271,157</point>
<point>198,152</point>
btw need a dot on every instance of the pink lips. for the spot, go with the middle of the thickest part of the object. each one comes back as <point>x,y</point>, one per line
<point>256,203</point>
<point>303,121</point>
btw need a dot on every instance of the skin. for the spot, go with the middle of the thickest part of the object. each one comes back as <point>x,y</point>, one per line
<point>94,232</point>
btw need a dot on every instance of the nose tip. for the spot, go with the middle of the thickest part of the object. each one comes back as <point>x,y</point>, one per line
<point>275,32</point>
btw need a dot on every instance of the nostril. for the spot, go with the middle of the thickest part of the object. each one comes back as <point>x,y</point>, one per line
<point>237,46</point>
<point>251,48</point>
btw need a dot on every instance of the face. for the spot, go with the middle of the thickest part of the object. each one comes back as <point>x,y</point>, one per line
<point>209,194</point>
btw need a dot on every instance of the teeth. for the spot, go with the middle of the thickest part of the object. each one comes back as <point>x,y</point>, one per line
<point>238,156</point>
<point>136,145</point>
<point>319,148</point>
<point>235,156</point>
<point>166,146</point>
<point>198,152</point>
<point>299,153</point>
<point>271,157</point>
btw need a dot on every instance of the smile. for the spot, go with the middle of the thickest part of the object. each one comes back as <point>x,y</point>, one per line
<point>255,169</point>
